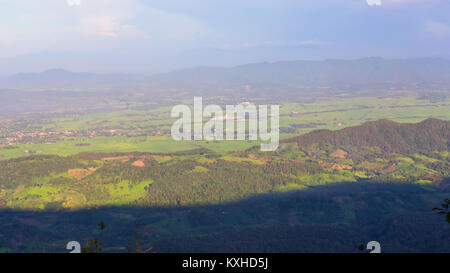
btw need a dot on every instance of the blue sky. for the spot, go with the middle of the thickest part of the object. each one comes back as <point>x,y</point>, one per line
<point>148,36</point>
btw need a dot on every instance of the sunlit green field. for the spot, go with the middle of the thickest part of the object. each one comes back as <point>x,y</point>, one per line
<point>334,114</point>
<point>153,144</point>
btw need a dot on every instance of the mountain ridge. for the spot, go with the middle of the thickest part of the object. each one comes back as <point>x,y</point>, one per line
<point>330,72</point>
<point>390,136</point>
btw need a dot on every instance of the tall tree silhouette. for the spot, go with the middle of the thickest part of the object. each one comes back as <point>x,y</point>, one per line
<point>444,209</point>
<point>95,245</point>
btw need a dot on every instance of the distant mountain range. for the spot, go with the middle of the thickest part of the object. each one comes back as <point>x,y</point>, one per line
<point>320,73</point>
<point>366,71</point>
<point>63,79</point>
<point>389,136</point>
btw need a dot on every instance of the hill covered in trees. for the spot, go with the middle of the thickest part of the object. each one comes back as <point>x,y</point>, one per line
<point>428,135</point>
<point>376,151</point>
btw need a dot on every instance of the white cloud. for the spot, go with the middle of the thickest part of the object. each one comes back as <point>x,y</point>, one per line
<point>109,25</point>
<point>437,28</point>
<point>374,2</point>
<point>401,2</point>
<point>94,25</point>
<point>73,2</point>
<point>391,2</point>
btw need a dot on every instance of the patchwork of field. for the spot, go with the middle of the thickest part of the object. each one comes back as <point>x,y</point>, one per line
<point>137,128</point>
<point>202,177</point>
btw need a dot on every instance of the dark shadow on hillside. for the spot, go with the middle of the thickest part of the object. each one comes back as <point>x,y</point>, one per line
<point>332,218</point>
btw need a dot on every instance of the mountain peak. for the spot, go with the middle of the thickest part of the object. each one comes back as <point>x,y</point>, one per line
<point>390,136</point>
<point>56,71</point>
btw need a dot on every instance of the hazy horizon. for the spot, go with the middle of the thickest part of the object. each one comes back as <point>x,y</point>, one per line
<point>230,66</point>
<point>154,36</point>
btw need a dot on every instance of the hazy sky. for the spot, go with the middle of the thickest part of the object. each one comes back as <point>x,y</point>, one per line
<point>155,35</point>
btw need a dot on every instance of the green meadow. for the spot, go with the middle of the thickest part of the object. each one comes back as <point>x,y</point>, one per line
<point>299,118</point>
<point>151,144</point>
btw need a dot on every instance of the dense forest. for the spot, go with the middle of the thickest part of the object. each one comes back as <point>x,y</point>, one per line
<point>428,135</point>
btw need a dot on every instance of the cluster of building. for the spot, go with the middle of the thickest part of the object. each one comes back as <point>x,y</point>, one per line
<point>21,137</point>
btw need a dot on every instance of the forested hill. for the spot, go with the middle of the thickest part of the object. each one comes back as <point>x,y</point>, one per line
<point>390,136</point>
